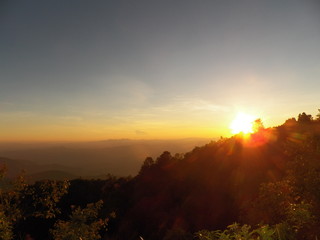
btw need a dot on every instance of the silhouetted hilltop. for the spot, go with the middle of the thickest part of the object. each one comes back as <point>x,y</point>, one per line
<point>215,185</point>
<point>51,175</point>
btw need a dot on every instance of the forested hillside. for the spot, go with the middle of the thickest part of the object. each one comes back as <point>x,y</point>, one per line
<point>270,177</point>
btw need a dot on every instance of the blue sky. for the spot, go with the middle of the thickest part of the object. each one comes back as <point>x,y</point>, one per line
<point>152,69</point>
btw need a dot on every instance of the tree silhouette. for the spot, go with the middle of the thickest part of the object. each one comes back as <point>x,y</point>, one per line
<point>304,118</point>
<point>257,125</point>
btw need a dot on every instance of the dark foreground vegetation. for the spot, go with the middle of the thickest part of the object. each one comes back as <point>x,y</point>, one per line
<point>266,186</point>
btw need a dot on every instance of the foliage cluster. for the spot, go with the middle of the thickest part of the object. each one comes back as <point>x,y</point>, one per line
<point>21,203</point>
<point>244,232</point>
<point>83,224</point>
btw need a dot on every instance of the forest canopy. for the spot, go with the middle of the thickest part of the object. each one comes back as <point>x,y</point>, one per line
<point>263,187</point>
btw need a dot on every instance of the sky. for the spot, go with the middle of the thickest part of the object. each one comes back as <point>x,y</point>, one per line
<point>90,70</point>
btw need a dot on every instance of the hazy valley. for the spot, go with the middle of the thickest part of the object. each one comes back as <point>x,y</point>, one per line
<point>87,159</point>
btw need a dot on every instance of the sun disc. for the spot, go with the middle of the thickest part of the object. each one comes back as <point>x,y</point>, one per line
<point>243,123</point>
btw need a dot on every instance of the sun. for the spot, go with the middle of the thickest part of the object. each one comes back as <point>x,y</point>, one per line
<point>243,123</point>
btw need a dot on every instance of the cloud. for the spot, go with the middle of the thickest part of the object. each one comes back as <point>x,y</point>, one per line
<point>139,132</point>
<point>192,105</point>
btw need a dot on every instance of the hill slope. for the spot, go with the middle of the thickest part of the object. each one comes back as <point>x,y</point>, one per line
<point>216,185</point>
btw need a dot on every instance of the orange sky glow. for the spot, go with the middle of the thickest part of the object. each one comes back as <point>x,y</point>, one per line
<point>89,70</point>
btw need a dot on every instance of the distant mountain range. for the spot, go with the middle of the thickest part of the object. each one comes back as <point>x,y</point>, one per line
<point>67,160</point>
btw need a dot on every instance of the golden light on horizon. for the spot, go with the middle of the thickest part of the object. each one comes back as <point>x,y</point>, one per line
<point>243,123</point>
